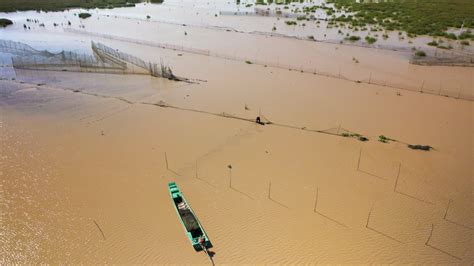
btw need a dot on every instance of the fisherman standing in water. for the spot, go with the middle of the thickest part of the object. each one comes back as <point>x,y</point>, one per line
<point>258,121</point>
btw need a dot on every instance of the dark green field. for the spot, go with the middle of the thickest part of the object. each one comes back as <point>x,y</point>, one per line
<point>416,17</point>
<point>59,5</point>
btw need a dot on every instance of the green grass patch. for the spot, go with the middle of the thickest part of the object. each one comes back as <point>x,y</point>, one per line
<point>466,35</point>
<point>55,5</point>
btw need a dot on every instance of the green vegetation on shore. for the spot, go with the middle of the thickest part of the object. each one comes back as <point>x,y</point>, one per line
<point>55,5</point>
<point>5,22</point>
<point>427,17</point>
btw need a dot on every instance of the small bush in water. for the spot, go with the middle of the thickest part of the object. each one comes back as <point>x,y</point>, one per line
<point>84,15</point>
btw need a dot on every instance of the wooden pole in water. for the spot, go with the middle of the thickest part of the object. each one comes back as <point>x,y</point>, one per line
<point>316,200</point>
<point>230,175</point>
<point>398,175</point>
<point>269,189</point>
<point>166,161</point>
<point>358,161</point>
<point>447,208</point>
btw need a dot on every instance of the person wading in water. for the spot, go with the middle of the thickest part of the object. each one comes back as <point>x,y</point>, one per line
<point>258,121</point>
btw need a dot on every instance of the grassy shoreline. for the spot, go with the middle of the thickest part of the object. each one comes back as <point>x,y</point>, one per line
<point>54,5</point>
<point>427,17</point>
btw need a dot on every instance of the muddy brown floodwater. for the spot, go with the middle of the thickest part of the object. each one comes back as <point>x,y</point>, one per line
<point>83,176</point>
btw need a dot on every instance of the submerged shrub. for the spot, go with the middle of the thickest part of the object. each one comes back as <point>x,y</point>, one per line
<point>84,15</point>
<point>5,22</point>
<point>420,53</point>
<point>370,40</point>
<point>420,147</point>
<point>353,38</point>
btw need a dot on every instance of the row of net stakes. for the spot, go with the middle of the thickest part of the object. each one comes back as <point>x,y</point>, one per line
<point>190,50</point>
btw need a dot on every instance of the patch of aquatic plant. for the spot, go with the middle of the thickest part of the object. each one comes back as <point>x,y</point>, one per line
<point>5,22</point>
<point>248,62</point>
<point>385,139</point>
<point>84,15</point>
<point>420,147</point>
<point>54,5</point>
<point>352,38</point>
<point>433,43</point>
<point>464,42</point>
<point>420,53</point>
<point>370,40</point>
<point>466,35</point>
<point>354,135</point>
<point>449,47</point>
<point>291,22</point>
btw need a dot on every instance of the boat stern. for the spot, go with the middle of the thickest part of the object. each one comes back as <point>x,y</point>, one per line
<point>198,247</point>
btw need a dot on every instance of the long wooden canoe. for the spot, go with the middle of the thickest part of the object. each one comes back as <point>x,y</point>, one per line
<point>194,230</point>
